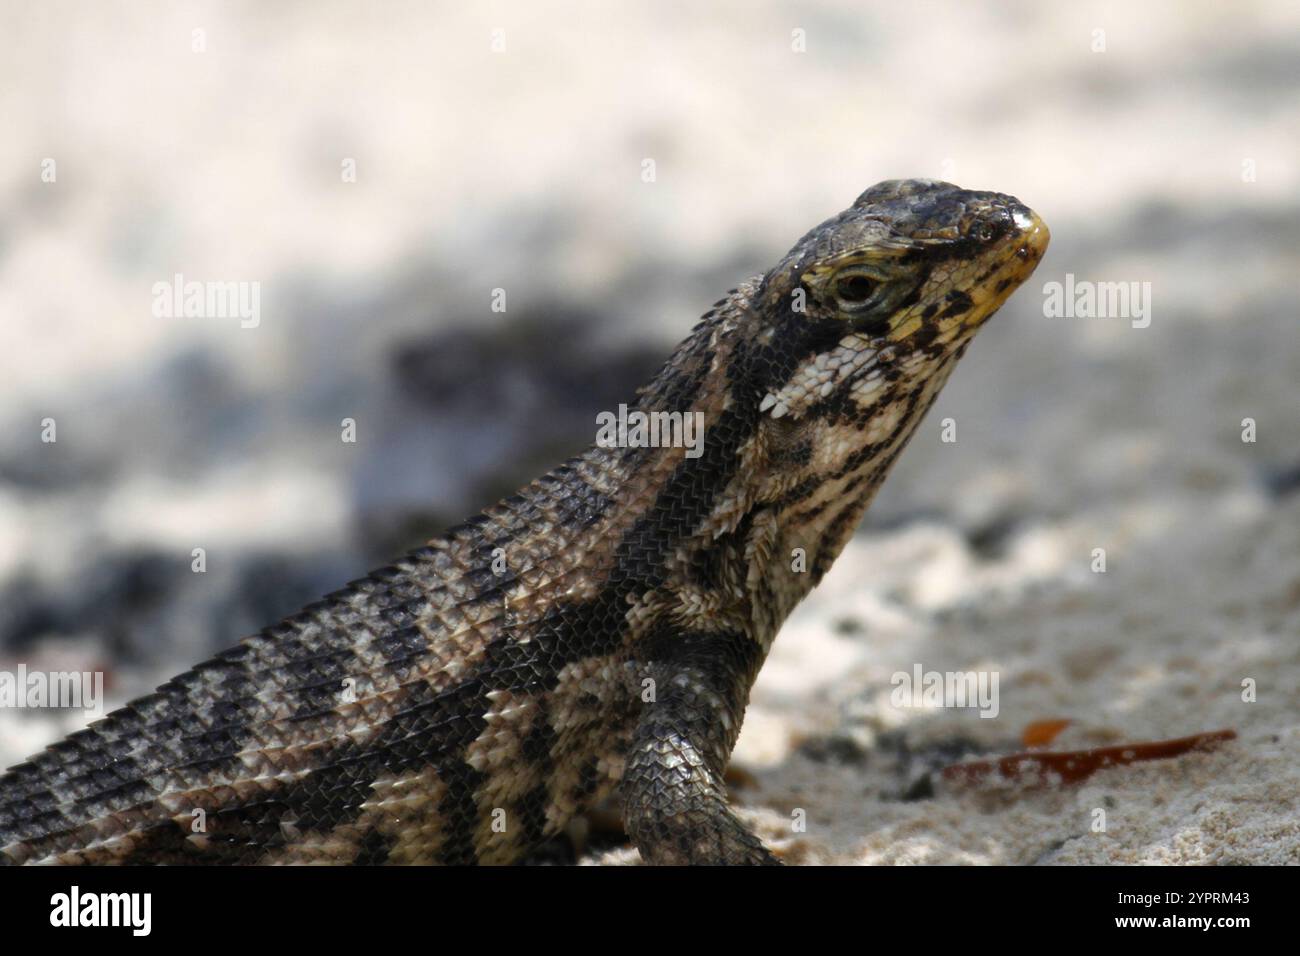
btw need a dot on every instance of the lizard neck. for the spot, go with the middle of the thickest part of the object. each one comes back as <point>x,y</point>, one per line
<point>777,497</point>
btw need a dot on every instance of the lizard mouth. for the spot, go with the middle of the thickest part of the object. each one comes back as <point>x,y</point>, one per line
<point>1032,238</point>
<point>976,288</point>
<point>1016,256</point>
<point>1007,266</point>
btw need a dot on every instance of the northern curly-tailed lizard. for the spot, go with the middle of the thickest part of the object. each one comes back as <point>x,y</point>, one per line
<point>597,632</point>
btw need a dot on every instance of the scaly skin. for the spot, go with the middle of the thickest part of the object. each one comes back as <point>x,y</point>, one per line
<point>600,629</point>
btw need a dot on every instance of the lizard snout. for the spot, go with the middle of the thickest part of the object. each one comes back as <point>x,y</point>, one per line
<point>1032,233</point>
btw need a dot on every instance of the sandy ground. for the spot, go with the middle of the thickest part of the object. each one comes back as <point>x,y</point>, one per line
<point>1169,157</point>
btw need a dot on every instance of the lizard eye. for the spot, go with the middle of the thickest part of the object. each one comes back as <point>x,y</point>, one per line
<point>985,232</point>
<point>854,289</point>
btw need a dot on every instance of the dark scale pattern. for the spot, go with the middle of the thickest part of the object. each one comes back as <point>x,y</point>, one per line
<point>600,629</point>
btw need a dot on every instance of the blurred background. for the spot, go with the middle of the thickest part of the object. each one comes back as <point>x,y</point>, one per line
<point>380,168</point>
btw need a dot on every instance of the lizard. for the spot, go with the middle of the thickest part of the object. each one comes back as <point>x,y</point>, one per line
<point>595,635</point>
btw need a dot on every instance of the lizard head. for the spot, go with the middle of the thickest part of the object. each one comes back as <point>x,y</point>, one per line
<point>851,337</point>
<point>809,380</point>
<point>891,290</point>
